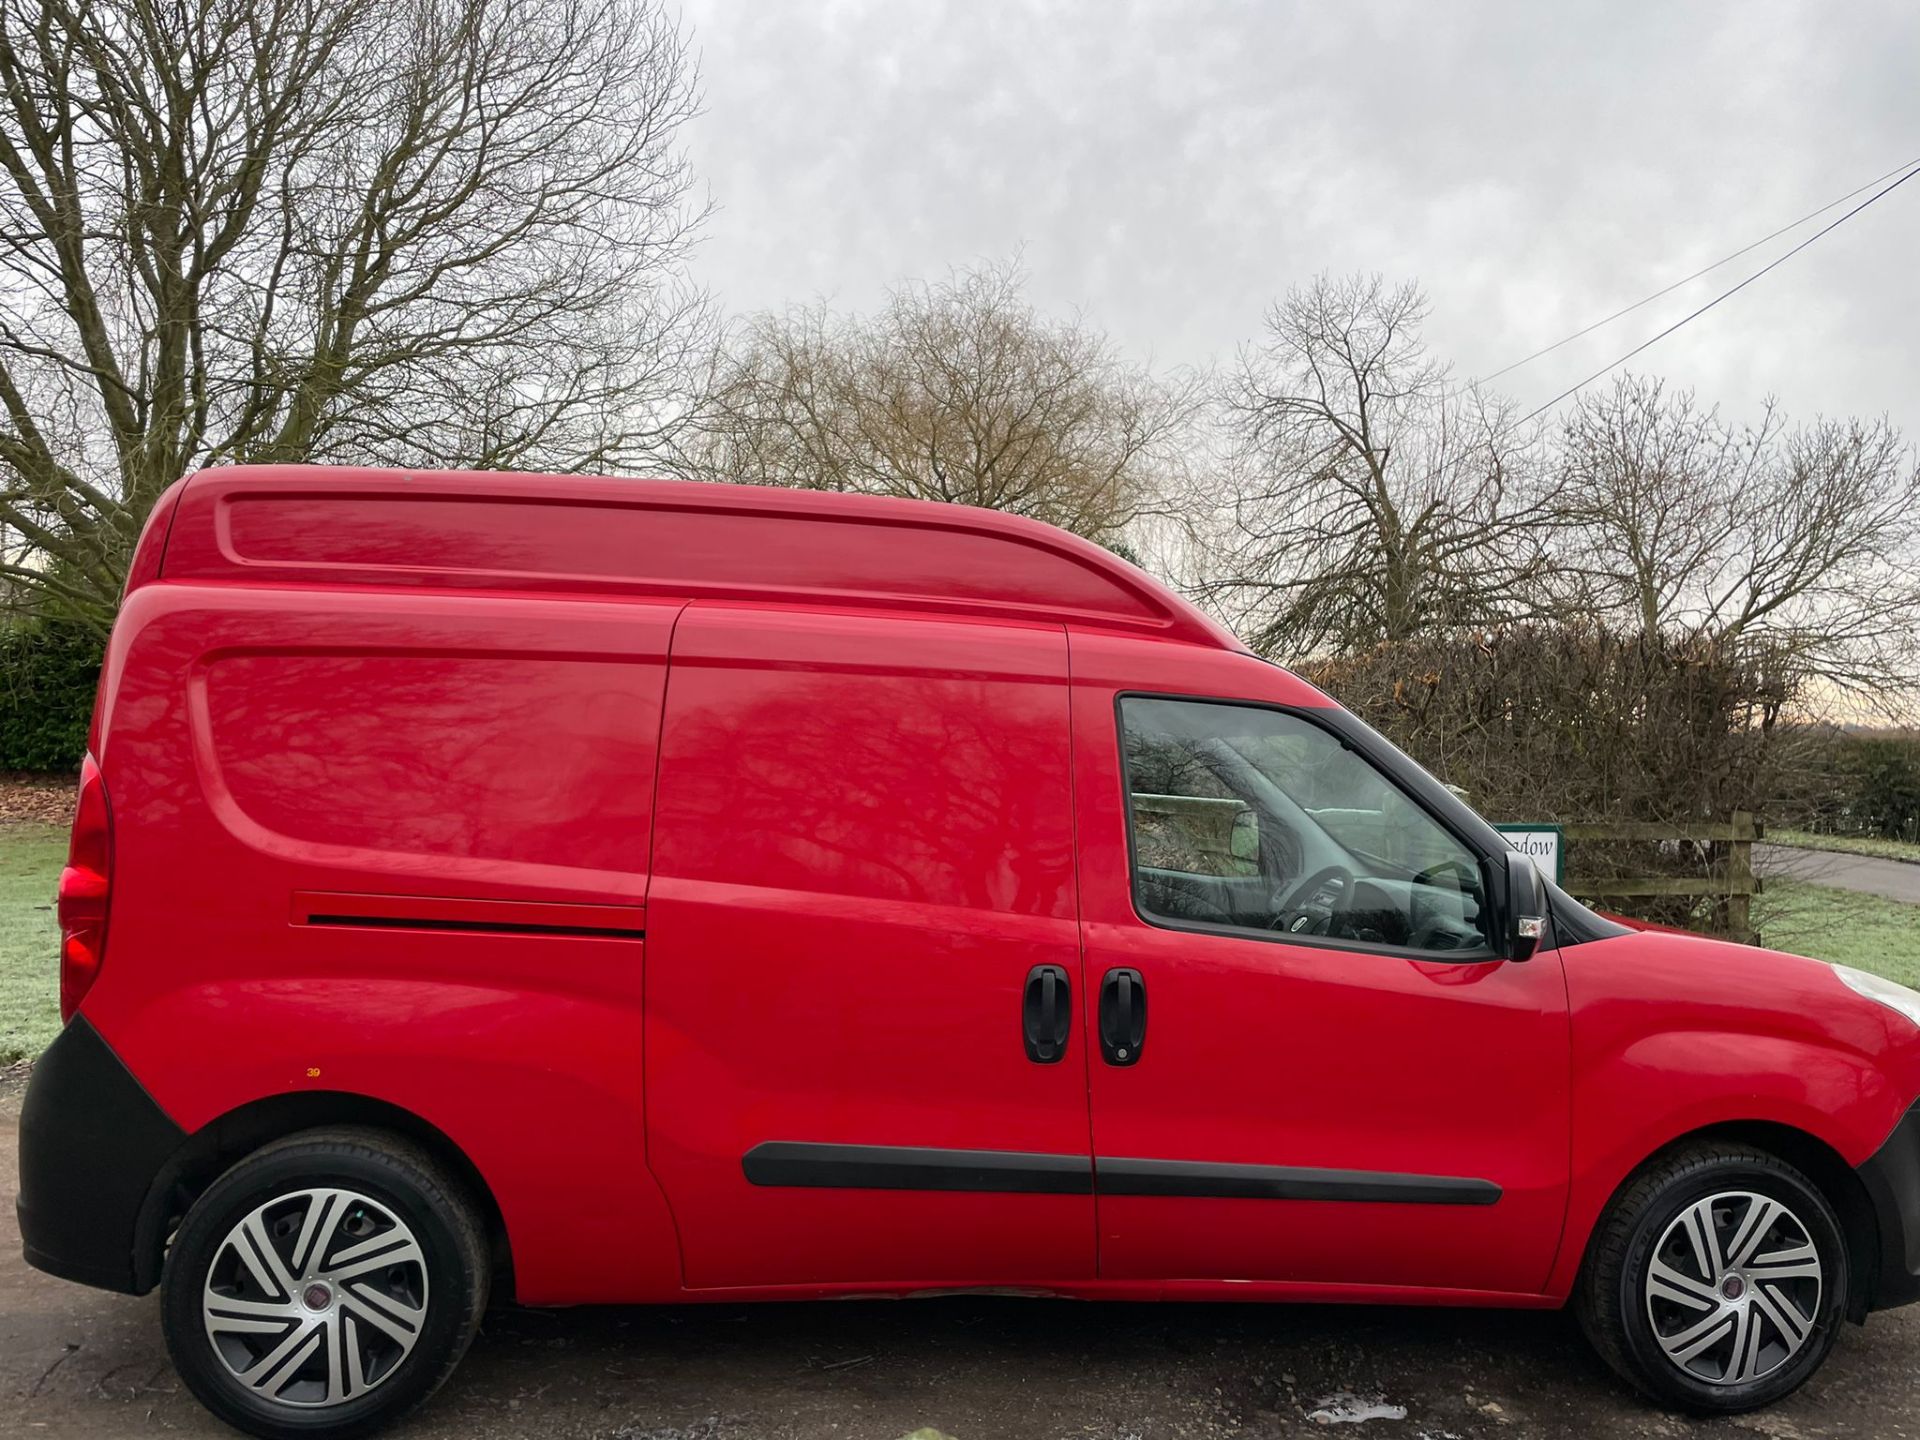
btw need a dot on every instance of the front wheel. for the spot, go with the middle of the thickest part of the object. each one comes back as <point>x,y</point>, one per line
<point>1717,1279</point>
<point>324,1286</point>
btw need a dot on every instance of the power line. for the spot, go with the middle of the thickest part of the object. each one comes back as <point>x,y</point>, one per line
<point>1723,260</point>
<point>1724,295</point>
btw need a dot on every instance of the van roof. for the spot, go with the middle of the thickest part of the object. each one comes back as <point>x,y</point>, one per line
<point>474,530</point>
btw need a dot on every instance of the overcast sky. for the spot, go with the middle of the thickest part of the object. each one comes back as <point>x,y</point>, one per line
<point>1170,169</point>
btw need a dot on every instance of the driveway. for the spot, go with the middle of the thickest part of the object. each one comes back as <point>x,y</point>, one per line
<point>1895,879</point>
<point>80,1363</point>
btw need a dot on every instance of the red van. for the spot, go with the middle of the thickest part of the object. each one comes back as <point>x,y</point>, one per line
<point>573,890</point>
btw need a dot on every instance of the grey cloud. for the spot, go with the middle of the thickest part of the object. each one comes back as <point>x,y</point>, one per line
<point>1172,168</point>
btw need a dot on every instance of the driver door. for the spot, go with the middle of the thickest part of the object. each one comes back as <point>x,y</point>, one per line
<point>1337,1083</point>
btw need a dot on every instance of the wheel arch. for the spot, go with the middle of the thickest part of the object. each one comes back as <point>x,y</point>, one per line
<point>1814,1158</point>
<point>216,1146</point>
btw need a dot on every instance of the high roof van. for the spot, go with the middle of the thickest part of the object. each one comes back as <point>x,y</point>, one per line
<point>569,890</point>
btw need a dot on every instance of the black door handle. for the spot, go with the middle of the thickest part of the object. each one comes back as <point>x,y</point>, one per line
<point>1123,1016</point>
<point>1046,1013</point>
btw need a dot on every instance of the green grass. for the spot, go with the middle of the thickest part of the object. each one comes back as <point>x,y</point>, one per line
<point>1863,931</point>
<point>30,859</point>
<point>1847,844</point>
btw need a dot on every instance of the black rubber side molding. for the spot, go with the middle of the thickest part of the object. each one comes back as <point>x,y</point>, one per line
<point>894,1167</point>
<point>478,927</point>
<point>1286,1182</point>
<point>900,1167</point>
<point>377,911</point>
<point>91,1142</point>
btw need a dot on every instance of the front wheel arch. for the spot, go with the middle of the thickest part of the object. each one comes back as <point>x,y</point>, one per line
<point>221,1143</point>
<point>1651,1297</point>
<point>1837,1181</point>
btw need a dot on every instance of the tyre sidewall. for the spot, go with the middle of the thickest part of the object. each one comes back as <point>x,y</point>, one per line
<point>387,1179</point>
<point>1660,1374</point>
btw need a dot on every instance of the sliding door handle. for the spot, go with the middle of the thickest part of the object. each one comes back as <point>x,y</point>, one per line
<point>1046,1013</point>
<point>1123,1017</point>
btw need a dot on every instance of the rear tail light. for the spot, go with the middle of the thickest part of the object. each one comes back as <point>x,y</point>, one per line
<point>85,884</point>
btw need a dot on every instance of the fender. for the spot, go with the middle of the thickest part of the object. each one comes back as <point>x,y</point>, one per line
<point>1674,1034</point>
<point>540,1092</point>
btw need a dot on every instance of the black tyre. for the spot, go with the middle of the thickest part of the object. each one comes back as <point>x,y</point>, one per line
<point>324,1286</point>
<point>1717,1280</point>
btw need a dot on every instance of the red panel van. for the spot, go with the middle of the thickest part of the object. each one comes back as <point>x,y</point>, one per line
<point>575,890</point>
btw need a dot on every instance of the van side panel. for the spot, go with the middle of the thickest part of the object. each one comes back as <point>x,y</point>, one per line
<point>865,845</point>
<point>395,845</point>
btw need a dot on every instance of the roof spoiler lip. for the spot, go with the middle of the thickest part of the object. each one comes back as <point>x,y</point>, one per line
<point>1166,611</point>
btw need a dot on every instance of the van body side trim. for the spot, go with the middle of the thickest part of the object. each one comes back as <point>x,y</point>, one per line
<point>897,1167</point>
<point>499,917</point>
<point>1287,1182</point>
<point>904,1167</point>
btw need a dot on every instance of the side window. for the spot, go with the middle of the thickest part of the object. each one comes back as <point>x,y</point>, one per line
<point>1248,818</point>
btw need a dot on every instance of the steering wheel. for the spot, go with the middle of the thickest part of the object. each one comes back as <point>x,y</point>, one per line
<point>1438,925</point>
<point>1316,905</point>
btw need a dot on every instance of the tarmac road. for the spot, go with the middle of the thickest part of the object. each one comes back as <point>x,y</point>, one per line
<point>84,1364</point>
<point>1894,879</point>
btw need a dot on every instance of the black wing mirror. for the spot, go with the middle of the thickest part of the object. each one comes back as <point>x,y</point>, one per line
<point>1524,915</point>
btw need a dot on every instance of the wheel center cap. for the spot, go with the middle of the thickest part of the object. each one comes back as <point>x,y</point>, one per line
<point>317,1297</point>
<point>1733,1287</point>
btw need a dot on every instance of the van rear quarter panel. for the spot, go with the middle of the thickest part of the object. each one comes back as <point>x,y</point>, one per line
<point>268,742</point>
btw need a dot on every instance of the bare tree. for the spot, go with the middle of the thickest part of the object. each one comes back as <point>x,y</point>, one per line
<point>1642,505</point>
<point>957,390</point>
<point>1369,499</point>
<point>1804,541</point>
<point>406,231</point>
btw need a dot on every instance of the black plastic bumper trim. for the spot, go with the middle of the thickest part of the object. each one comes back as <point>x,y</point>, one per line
<point>92,1142</point>
<point>898,1167</point>
<point>1891,1176</point>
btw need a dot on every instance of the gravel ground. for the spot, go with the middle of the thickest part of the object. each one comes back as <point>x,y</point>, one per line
<point>81,1363</point>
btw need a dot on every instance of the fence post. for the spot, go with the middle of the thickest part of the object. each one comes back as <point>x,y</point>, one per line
<point>1740,880</point>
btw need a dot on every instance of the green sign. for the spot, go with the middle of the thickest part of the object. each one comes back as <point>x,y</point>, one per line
<point>1544,844</point>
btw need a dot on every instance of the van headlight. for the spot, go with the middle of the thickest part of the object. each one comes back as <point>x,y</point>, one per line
<point>1875,987</point>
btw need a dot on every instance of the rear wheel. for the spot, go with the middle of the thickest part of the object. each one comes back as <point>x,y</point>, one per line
<point>324,1286</point>
<point>1717,1280</point>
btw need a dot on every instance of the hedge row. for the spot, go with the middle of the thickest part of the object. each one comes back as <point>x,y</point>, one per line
<point>48,673</point>
<point>1573,722</point>
<point>1871,786</point>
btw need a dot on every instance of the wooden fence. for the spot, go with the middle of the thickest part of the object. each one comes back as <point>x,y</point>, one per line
<point>1729,882</point>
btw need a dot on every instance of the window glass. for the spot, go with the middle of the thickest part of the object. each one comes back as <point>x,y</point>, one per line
<point>1250,818</point>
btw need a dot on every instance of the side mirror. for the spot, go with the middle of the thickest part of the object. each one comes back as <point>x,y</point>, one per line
<point>1524,915</point>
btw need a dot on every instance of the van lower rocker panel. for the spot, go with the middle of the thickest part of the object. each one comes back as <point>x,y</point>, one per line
<point>804,1164</point>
